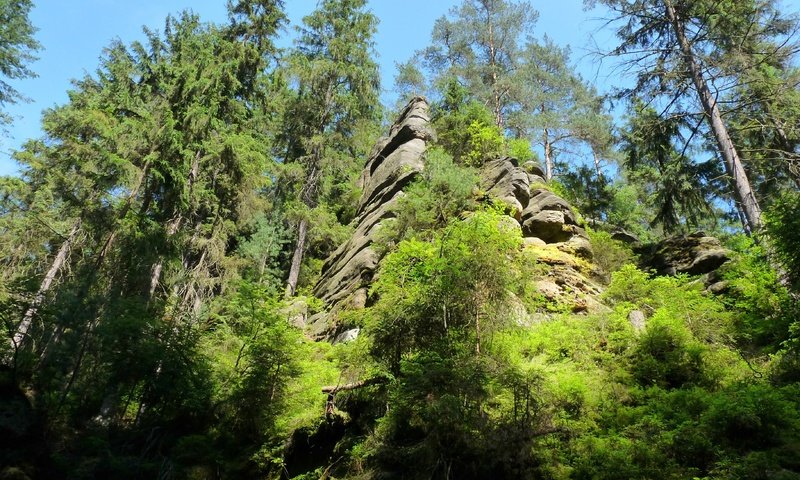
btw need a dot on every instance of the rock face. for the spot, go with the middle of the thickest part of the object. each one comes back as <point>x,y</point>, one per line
<point>694,254</point>
<point>551,232</point>
<point>394,162</point>
<point>551,229</point>
<point>541,213</point>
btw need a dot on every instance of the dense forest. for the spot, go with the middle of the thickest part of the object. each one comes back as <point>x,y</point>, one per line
<point>227,259</point>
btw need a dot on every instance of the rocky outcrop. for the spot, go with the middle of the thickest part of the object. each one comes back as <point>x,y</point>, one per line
<point>541,213</point>
<point>551,232</point>
<point>503,180</point>
<point>551,228</point>
<point>694,254</point>
<point>393,163</point>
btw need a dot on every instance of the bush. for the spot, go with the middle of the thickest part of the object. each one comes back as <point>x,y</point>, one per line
<point>609,254</point>
<point>442,192</point>
<point>667,356</point>
<point>782,224</point>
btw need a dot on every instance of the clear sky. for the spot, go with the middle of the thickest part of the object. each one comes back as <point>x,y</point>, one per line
<point>73,34</point>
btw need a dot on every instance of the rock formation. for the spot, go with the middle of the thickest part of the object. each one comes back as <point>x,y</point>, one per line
<point>695,254</point>
<point>551,228</point>
<point>541,213</point>
<point>394,162</point>
<point>551,233</point>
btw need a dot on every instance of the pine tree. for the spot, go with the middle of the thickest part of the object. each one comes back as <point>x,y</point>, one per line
<point>479,45</point>
<point>558,107</point>
<point>675,47</point>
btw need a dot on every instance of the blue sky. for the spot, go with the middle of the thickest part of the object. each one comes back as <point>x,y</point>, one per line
<point>73,34</point>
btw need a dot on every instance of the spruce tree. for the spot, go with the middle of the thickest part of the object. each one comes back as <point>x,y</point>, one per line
<point>17,50</point>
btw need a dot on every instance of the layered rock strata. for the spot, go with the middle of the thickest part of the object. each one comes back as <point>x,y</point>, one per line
<point>541,213</point>
<point>551,232</point>
<point>394,162</point>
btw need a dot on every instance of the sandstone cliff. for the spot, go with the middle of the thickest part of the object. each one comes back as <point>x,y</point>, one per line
<point>549,225</point>
<point>394,162</point>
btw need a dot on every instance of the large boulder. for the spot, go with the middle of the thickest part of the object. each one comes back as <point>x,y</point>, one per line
<point>694,254</point>
<point>549,217</point>
<point>395,161</point>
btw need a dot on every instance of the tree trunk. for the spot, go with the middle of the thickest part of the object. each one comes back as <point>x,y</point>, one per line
<point>548,156</point>
<point>733,165</point>
<point>597,169</point>
<point>58,262</point>
<point>498,113</point>
<point>309,196</point>
<point>355,385</point>
<point>297,257</point>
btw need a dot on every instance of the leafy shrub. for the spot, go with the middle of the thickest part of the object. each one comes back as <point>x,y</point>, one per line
<point>609,254</point>
<point>520,149</point>
<point>782,225</point>
<point>764,308</point>
<point>485,142</point>
<point>667,355</point>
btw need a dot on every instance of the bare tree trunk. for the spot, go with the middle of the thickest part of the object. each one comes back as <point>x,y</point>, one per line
<point>58,262</point>
<point>733,165</point>
<point>297,257</point>
<point>309,197</point>
<point>548,156</point>
<point>597,169</point>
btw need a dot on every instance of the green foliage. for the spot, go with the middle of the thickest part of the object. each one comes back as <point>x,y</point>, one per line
<point>146,246</point>
<point>667,356</point>
<point>478,45</point>
<point>608,254</point>
<point>334,70</point>
<point>677,297</point>
<point>764,307</point>
<point>520,149</point>
<point>677,189</point>
<point>453,116</point>
<point>255,360</point>
<point>590,194</point>
<point>629,210</point>
<point>443,191</point>
<point>484,142</point>
<point>782,225</point>
<point>430,291</point>
<point>17,48</point>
